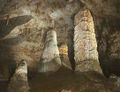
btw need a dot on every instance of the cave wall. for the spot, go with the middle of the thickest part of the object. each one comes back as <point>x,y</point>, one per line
<point>23,25</point>
<point>25,40</point>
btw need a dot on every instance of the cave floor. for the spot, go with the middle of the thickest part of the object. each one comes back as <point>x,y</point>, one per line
<point>69,81</point>
<point>72,82</point>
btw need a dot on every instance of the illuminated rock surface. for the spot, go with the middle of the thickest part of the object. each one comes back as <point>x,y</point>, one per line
<point>85,44</point>
<point>50,61</point>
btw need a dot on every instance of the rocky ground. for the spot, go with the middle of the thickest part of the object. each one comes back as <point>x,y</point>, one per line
<point>67,81</point>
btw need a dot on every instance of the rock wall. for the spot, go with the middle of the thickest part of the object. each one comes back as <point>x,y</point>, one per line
<point>103,8</point>
<point>26,23</point>
<point>23,24</point>
<point>108,45</point>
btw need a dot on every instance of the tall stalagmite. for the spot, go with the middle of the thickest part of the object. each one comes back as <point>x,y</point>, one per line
<point>85,45</point>
<point>50,61</point>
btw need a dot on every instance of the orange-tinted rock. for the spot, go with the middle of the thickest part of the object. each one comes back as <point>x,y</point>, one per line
<point>85,44</point>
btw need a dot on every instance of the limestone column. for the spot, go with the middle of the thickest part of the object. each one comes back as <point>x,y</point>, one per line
<point>19,80</point>
<point>85,45</point>
<point>50,61</point>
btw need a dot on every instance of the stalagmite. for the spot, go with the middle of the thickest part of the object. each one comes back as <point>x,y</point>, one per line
<point>19,80</point>
<point>85,45</point>
<point>63,49</point>
<point>50,61</point>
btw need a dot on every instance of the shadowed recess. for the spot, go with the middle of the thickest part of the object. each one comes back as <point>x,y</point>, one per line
<point>6,28</point>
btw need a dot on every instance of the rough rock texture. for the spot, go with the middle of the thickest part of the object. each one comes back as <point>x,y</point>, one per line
<point>19,80</point>
<point>85,45</point>
<point>114,43</point>
<point>106,15</point>
<point>21,38</point>
<point>107,33</point>
<point>26,39</point>
<point>103,8</point>
<point>50,60</point>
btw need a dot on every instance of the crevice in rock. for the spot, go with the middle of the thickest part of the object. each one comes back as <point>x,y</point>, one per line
<point>71,48</point>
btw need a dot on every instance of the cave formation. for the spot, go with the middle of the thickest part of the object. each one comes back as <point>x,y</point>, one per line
<point>67,45</point>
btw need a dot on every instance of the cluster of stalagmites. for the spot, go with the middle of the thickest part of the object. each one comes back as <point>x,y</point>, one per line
<point>85,53</point>
<point>85,50</point>
<point>85,46</point>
